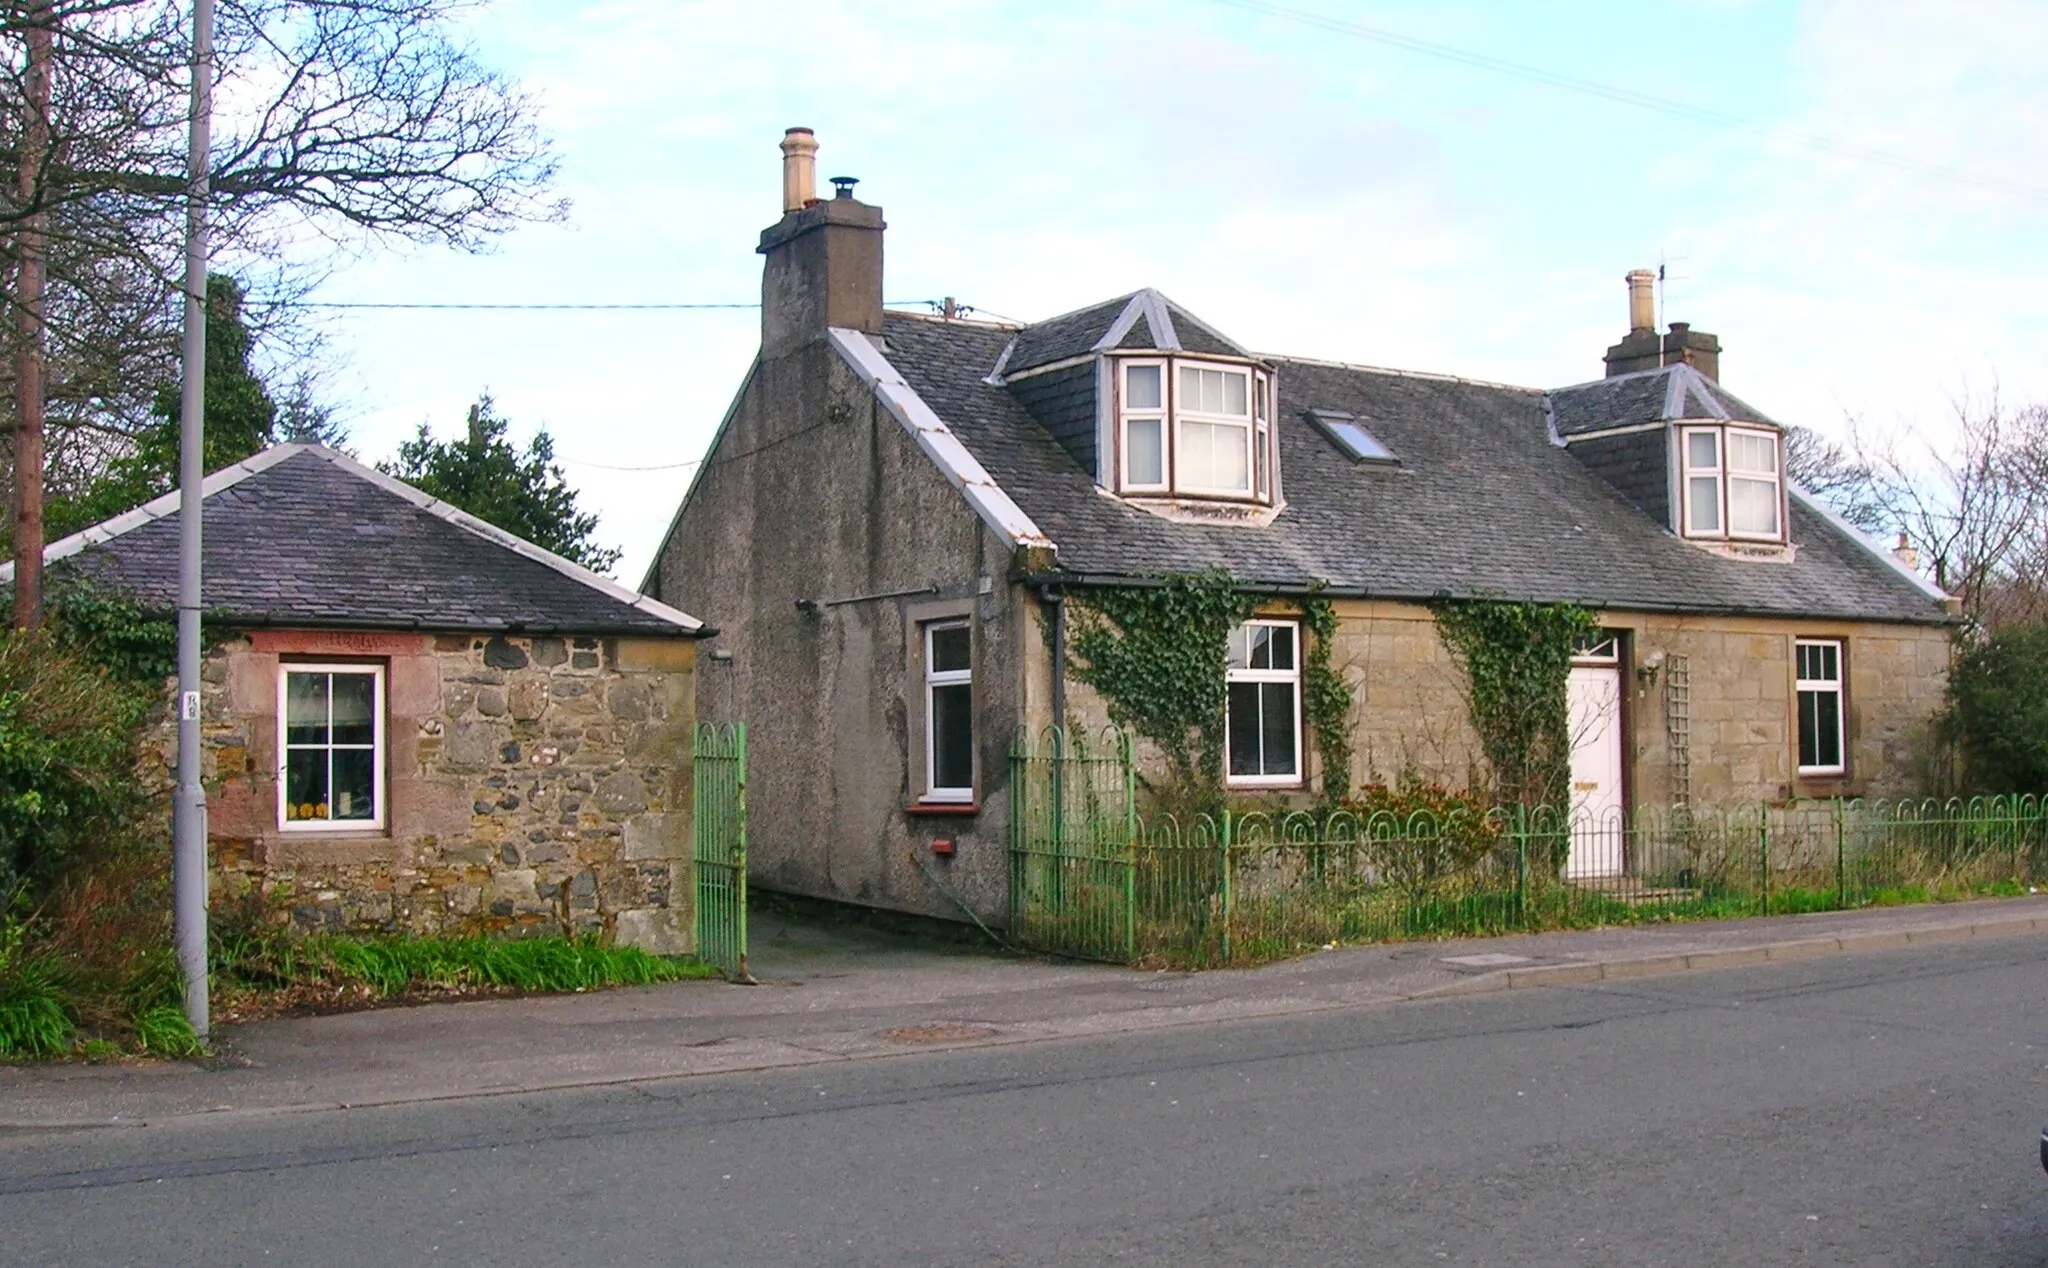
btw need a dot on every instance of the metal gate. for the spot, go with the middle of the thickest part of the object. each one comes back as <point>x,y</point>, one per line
<point>719,812</point>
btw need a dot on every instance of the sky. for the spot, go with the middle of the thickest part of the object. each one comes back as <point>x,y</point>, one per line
<point>1850,193</point>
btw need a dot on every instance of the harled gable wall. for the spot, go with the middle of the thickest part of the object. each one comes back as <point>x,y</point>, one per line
<point>815,492</point>
<point>535,785</point>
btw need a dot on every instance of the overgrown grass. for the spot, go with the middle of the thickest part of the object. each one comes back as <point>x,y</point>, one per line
<point>52,1005</point>
<point>381,969</point>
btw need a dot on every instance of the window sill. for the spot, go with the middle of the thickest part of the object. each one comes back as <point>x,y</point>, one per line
<point>942,808</point>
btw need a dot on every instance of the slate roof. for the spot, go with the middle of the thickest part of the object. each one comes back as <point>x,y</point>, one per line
<point>302,535</point>
<point>1483,503</point>
<point>1142,319</point>
<point>1670,393</point>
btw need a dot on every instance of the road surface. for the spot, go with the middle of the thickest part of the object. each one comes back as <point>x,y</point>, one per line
<point>1874,1109</point>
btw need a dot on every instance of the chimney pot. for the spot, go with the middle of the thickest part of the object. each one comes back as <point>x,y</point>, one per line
<point>1642,300</point>
<point>842,186</point>
<point>799,169</point>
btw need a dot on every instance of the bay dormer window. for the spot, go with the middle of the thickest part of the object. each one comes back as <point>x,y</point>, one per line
<point>1731,483</point>
<point>1194,429</point>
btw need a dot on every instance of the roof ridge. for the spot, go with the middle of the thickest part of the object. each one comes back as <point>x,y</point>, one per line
<point>940,319</point>
<point>229,476</point>
<point>1281,359</point>
<point>1616,378</point>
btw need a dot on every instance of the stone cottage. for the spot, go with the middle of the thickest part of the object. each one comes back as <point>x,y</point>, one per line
<point>415,721</point>
<point>897,507</point>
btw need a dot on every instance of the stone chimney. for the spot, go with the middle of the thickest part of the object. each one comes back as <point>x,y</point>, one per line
<point>1905,554</point>
<point>1641,349</point>
<point>824,257</point>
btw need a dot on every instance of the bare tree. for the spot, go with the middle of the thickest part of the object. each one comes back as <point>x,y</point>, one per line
<point>349,120</point>
<point>1975,506</point>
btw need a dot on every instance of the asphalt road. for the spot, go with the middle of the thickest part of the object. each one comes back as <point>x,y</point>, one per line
<point>1875,1109</point>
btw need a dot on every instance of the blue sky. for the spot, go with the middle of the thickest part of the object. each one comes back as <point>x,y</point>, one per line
<point>1306,191</point>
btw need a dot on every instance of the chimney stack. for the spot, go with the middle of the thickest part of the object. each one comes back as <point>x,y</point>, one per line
<point>799,169</point>
<point>1641,349</point>
<point>823,259</point>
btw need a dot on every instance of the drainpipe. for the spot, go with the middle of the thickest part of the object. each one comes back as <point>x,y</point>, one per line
<point>1052,599</point>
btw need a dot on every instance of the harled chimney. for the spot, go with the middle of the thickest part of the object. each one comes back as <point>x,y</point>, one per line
<point>824,257</point>
<point>1641,349</point>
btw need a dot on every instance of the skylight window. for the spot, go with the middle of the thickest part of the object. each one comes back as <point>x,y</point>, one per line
<point>1349,435</point>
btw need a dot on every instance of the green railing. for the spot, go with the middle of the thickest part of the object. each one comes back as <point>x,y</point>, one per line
<point>1090,878</point>
<point>719,822</point>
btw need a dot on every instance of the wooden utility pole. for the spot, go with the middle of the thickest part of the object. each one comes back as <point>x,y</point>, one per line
<point>29,245</point>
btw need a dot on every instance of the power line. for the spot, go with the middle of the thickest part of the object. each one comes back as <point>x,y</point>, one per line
<point>697,462</point>
<point>516,307</point>
<point>553,307</point>
<point>1628,96</point>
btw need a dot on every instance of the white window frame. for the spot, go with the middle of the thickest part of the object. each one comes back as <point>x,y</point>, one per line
<point>1262,477</point>
<point>1232,674</point>
<point>1776,481</point>
<point>380,751</point>
<point>1838,686</point>
<point>933,679</point>
<point>1126,414</point>
<point>1248,421</point>
<point>1721,476</point>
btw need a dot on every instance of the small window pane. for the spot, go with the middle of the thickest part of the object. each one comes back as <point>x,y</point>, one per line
<point>355,784</point>
<point>1702,450</point>
<point>1142,387</point>
<point>1280,647</point>
<point>1214,456</point>
<point>1244,729</point>
<point>1756,455</point>
<point>305,784</point>
<point>953,736</point>
<point>1706,504</point>
<point>1234,394</point>
<point>1238,652</point>
<point>1145,451</point>
<point>355,700</point>
<point>305,709</point>
<point>950,649</point>
<point>1753,506</point>
<point>1190,387</point>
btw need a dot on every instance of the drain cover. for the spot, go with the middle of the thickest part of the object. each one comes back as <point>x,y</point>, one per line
<point>943,1032</point>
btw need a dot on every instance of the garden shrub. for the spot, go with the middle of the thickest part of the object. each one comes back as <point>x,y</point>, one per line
<point>1998,711</point>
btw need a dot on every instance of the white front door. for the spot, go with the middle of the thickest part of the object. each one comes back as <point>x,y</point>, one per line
<point>1597,819</point>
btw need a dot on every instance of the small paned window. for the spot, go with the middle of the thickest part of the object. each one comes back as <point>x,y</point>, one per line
<point>1752,484</point>
<point>1262,725</point>
<point>1732,483</point>
<point>1819,684</point>
<point>1194,428</point>
<point>331,760</point>
<point>1215,432</point>
<point>1144,425</point>
<point>949,711</point>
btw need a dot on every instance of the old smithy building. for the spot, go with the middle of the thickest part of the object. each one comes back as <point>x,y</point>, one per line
<point>895,504</point>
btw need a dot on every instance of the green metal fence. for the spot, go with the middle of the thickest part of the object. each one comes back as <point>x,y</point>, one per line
<point>1091,878</point>
<point>719,816</point>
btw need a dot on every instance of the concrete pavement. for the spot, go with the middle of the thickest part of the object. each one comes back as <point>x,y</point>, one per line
<point>848,994</point>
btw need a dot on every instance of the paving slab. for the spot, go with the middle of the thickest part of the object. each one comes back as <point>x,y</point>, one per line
<point>841,994</point>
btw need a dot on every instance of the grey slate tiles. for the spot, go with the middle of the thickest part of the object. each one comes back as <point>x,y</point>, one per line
<point>1484,504</point>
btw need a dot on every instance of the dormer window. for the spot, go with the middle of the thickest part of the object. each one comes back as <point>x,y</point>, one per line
<point>1195,429</point>
<point>1731,483</point>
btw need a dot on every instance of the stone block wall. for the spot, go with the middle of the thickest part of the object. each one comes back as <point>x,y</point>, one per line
<point>534,785</point>
<point>1409,718</point>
